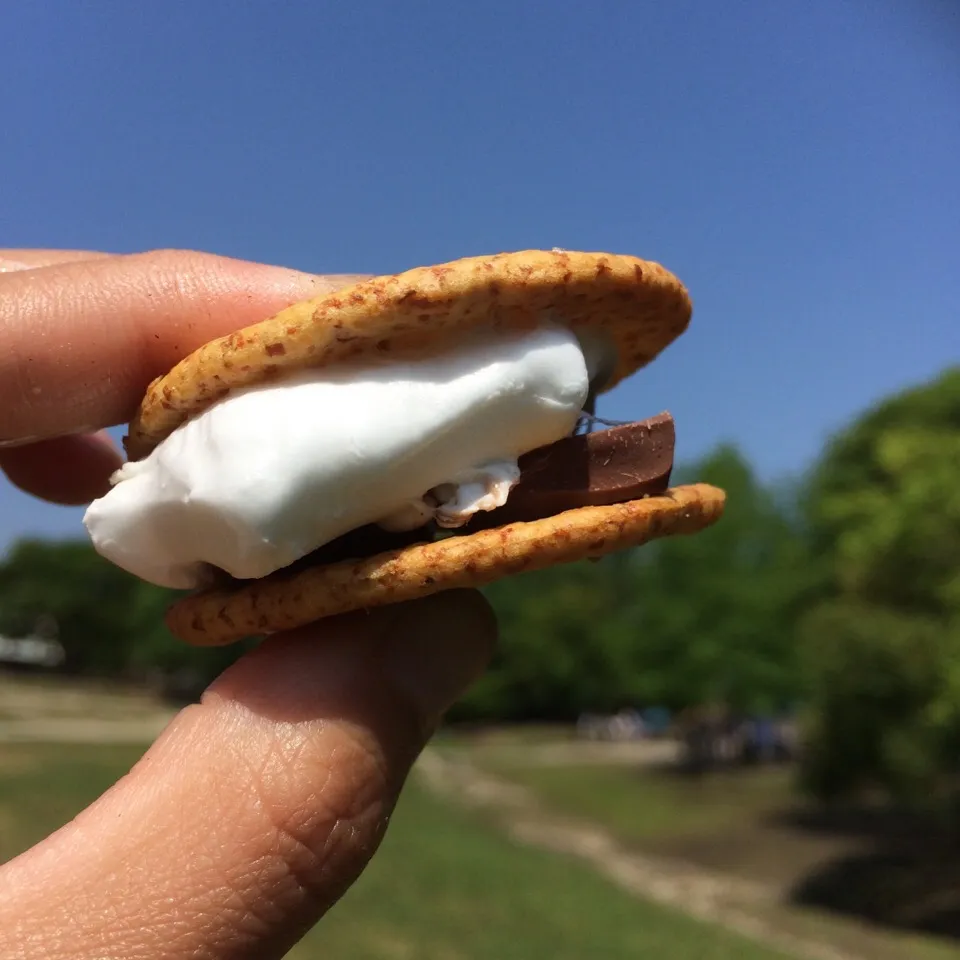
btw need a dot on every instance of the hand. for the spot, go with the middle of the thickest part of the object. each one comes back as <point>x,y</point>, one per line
<point>256,808</point>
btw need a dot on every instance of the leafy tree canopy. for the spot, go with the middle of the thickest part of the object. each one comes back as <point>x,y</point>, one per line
<point>882,644</point>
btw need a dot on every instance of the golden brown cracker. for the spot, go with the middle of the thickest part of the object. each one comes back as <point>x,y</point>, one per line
<point>639,304</point>
<point>282,602</point>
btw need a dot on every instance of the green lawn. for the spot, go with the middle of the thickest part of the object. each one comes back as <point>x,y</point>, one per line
<point>642,805</point>
<point>724,823</point>
<point>444,887</point>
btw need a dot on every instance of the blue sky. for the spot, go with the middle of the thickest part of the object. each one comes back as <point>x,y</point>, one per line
<point>796,163</point>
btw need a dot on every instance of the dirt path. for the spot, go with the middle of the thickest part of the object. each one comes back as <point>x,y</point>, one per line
<point>59,711</point>
<point>142,730</point>
<point>746,908</point>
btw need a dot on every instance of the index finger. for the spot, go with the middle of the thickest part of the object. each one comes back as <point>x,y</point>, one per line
<point>81,340</point>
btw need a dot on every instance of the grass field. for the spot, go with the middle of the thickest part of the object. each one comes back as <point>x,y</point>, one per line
<point>445,886</point>
<point>659,811</point>
<point>737,824</point>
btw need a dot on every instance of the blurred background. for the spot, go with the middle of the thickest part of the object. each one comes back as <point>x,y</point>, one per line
<point>743,744</point>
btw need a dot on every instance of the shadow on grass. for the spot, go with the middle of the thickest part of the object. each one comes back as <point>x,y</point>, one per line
<point>904,871</point>
<point>893,867</point>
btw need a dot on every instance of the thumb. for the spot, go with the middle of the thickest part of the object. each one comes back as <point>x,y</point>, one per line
<point>257,808</point>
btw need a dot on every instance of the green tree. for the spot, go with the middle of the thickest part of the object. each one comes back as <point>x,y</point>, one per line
<point>558,654</point>
<point>714,611</point>
<point>90,599</point>
<point>110,623</point>
<point>675,622</point>
<point>875,697</point>
<point>882,644</point>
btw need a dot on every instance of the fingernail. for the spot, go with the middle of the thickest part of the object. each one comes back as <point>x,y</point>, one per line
<point>12,266</point>
<point>436,647</point>
<point>313,285</point>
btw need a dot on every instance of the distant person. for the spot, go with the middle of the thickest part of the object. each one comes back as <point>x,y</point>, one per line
<point>255,810</point>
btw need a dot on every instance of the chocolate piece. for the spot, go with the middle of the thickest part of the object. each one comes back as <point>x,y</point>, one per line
<point>363,542</point>
<point>589,470</point>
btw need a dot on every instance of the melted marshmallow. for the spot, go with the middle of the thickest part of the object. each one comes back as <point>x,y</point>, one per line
<point>270,473</point>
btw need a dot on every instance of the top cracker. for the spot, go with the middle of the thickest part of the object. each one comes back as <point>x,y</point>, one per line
<point>641,306</point>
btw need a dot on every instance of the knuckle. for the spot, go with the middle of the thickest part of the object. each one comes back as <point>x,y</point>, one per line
<point>323,841</point>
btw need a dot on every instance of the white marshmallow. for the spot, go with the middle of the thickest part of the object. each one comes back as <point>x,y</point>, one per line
<point>272,472</point>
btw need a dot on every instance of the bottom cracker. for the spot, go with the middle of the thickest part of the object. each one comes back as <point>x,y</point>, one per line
<point>284,601</point>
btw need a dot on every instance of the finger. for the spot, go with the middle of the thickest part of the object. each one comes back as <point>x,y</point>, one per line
<point>256,809</point>
<point>29,259</point>
<point>80,341</point>
<point>68,470</point>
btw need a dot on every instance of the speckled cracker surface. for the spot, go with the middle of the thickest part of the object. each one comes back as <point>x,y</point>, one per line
<point>282,602</point>
<point>641,306</point>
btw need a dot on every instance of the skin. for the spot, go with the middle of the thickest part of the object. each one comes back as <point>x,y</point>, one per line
<point>256,808</point>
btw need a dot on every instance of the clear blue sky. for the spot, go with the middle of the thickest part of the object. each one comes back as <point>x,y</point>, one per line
<point>797,163</point>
